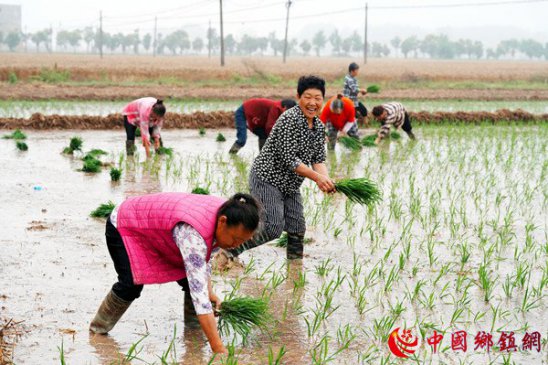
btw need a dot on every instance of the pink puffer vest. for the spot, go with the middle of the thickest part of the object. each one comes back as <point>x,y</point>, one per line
<point>146,223</point>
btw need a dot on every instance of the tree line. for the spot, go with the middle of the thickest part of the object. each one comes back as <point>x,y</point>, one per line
<point>437,46</point>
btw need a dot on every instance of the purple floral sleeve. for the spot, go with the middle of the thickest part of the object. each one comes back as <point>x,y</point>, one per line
<point>194,251</point>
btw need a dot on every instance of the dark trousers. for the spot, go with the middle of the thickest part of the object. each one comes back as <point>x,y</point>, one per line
<point>361,109</point>
<point>241,126</point>
<point>125,288</point>
<point>130,130</point>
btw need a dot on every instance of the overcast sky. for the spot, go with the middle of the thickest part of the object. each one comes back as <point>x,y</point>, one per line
<point>508,18</point>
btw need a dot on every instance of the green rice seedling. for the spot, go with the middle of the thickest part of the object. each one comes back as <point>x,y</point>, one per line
<point>360,190</point>
<point>250,266</point>
<point>240,315</point>
<point>164,151</point>
<point>134,351</point>
<point>300,281</point>
<point>16,134</point>
<point>350,143</point>
<point>21,146</point>
<point>12,78</point>
<point>91,164</point>
<point>75,144</point>
<point>61,353</point>
<point>220,138</point>
<point>369,141</point>
<point>395,135</point>
<point>138,132</point>
<point>115,174</point>
<point>202,131</point>
<point>373,89</point>
<point>96,152</point>
<point>199,190</point>
<point>485,282</point>
<point>324,267</point>
<point>278,359</point>
<point>103,210</point>
<point>282,241</point>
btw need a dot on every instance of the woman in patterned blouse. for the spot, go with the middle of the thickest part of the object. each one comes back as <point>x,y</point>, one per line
<point>295,150</point>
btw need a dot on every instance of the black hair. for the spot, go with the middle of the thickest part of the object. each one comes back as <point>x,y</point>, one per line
<point>337,104</point>
<point>378,110</point>
<point>159,108</point>
<point>243,209</point>
<point>310,82</point>
<point>288,103</point>
<point>353,66</point>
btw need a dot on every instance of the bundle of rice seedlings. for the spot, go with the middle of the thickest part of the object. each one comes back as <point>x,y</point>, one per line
<point>74,145</point>
<point>115,174</point>
<point>221,138</point>
<point>164,151</point>
<point>199,190</point>
<point>240,315</point>
<point>360,190</point>
<point>369,141</point>
<point>97,152</point>
<point>395,135</point>
<point>91,164</point>
<point>282,241</point>
<point>202,131</point>
<point>373,89</point>
<point>138,132</point>
<point>21,146</point>
<point>103,210</point>
<point>17,134</point>
<point>350,143</point>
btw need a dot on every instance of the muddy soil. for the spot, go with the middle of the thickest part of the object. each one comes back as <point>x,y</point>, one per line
<point>30,91</point>
<point>225,119</point>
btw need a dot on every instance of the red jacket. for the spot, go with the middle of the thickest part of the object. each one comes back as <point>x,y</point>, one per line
<point>338,121</point>
<point>262,113</point>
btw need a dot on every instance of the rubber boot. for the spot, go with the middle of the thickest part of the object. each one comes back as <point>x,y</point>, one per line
<point>235,148</point>
<point>261,143</point>
<point>411,135</point>
<point>130,147</point>
<point>295,246</point>
<point>108,314</point>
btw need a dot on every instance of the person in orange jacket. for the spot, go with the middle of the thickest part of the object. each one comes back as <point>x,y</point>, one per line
<point>338,115</point>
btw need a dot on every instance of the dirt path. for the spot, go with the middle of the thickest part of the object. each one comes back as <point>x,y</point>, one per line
<point>39,91</point>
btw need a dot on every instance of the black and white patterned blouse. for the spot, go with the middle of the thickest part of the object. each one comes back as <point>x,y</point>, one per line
<point>289,144</point>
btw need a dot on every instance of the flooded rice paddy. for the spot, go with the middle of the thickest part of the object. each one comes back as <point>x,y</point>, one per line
<point>458,243</point>
<point>24,109</point>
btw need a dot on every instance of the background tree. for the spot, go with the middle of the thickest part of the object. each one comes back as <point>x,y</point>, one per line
<point>276,44</point>
<point>395,42</point>
<point>12,40</point>
<point>198,44</point>
<point>357,43</point>
<point>319,42</point>
<point>230,44</point>
<point>42,36</point>
<point>336,41</point>
<point>88,35</point>
<point>531,48</point>
<point>306,47</point>
<point>346,45</point>
<point>409,44</point>
<point>147,41</point>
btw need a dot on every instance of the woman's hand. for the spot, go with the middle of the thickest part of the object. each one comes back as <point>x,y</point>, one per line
<point>216,301</point>
<point>324,183</point>
<point>156,143</point>
<point>146,145</point>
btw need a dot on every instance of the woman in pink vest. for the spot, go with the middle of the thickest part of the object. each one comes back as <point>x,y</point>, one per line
<point>148,115</point>
<point>159,238</point>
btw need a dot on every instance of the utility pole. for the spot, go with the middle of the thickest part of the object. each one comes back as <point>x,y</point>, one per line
<point>365,38</point>
<point>155,42</point>
<point>222,36</point>
<point>288,5</point>
<point>101,33</point>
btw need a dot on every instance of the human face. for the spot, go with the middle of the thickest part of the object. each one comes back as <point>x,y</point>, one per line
<point>310,103</point>
<point>154,118</point>
<point>355,72</point>
<point>229,237</point>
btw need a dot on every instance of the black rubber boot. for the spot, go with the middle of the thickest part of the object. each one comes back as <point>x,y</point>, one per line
<point>111,310</point>
<point>261,143</point>
<point>295,246</point>
<point>130,147</point>
<point>235,148</point>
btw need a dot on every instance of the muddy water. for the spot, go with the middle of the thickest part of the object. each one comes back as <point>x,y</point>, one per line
<point>55,267</point>
<point>24,109</point>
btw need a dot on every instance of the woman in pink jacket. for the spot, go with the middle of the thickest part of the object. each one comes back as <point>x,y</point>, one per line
<point>147,114</point>
<point>165,237</point>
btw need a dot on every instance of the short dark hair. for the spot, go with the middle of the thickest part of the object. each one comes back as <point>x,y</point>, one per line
<point>353,66</point>
<point>288,103</point>
<point>378,110</point>
<point>243,209</point>
<point>310,82</point>
<point>159,108</point>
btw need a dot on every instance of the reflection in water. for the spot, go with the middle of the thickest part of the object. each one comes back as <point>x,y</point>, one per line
<point>149,181</point>
<point>107,349</point>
